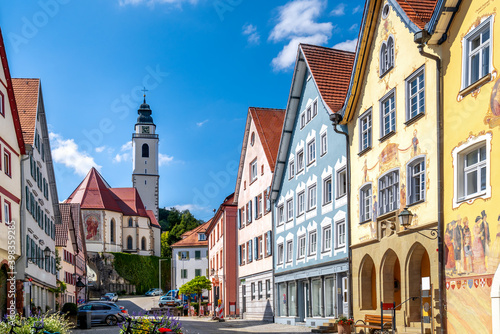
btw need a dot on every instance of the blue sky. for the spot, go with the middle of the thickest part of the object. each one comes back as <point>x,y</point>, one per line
<point>204,63</point>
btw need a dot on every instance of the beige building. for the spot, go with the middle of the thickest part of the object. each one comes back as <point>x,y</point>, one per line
<point>257,162</point>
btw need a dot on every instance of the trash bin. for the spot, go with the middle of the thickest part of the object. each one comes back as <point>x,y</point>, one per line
<point>85,319</point>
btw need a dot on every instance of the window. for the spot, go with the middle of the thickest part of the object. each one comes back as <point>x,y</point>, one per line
<point>252,139</point>
<point>2,106</point>
<point>327,238</point>
<point>252,294</point>
<point>280,254</point>
<point>388,186</point>
<point>249,212</point>
<point>324,144</point>
<point>184,255</point>
<point>340,233</point>
<point>341,182</point>
<point>267,195</point>
<point>268,288</point>
<point>309,114</point>
<point>365,199</point>
<point>249,251</point>
<point>112,231</point>
<point>281,215</point>
<point>184,273</point>
<point>300,161</point>
<point>415,94</point>
<point>312,242</point>
<point>289,250</point>
<point>130,222</point>
<point>315,108</point>
<point>300,204</point>
<point>143,243</point>
<point>145,150</point>
<point>253,170</point>
<point>243,254</point>
<point>260,247</point>
<point>197,272</point>
<point>289,209</point>
<point>258,206</point>
<point>311,151</point>
<point>416,181</point>
<point>202,237</point>
<point>7,212</point>
<point>129,242</point>
<point>197,255</point>
<point>260,289</point>
<point>365,131</point>
<point>268,243</point>
<point>327,190</point>
<point>302,120</point>
<point>6,163</point>
<point>291,169</point>
<point>311,192</point>
<point>385,11</point>
<point>302,247</point>
<point>477,53</point>
<point>388,115</point>
<point>473,172</point>
<point>386,56</point>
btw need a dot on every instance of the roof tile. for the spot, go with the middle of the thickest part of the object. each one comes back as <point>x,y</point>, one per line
<point>26,93</point>
<point>192,239</point>
<point>418,11</point>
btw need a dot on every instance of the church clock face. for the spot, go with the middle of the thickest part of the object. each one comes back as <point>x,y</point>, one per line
<point>145,129</point>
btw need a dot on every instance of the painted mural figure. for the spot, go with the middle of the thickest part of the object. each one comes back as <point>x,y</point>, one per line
<point>457,244</point>
<point>92,225</point>
<point>402,196</point>
<point>478,265</point>
<point>375,206</point>
<point>485,234</point>
<point>414,143</point>
<point>494,258</point>
<point>450,252</point>
<point>365,172</point>
<point>467,241</point>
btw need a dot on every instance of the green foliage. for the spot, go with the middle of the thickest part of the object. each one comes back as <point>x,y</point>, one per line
<point>51,323</point>
<point>142,271</point>
<point>70,308</point>
<point>166,251</point>
<point>61,288</point>
<point>196,285</point>
<point>143,324</point>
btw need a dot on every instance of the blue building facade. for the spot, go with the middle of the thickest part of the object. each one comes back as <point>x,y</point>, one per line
<point>309,194</point>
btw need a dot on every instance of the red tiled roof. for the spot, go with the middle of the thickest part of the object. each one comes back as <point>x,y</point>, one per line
<point>152,218</point>
<point>129,201</point>
<point>331,70</point>
<point>191,240</point>
<point>26,92</point>
<point>269,123</point>
<point>62,229</point>
<point>418,11</point>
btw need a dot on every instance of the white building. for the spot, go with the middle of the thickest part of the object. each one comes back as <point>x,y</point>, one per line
<point>40,212</point>
<point>190,257</point>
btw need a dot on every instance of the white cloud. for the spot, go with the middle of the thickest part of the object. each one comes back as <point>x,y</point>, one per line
<point>126,155</point>
<point>251,31</point>
<point>286,57</point>
<point>353,27</point>
<point>349,45</point>
<point>200,124</point>
<point>339,10</point>
<point>100,149</point>
<point>297,24</point>
<point>164,159</point>
<point>126,147</point>
<point>151,3</point>
<point>357,9</point>
<point>66,152</point>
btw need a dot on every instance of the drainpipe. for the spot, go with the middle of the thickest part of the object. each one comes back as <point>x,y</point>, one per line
<point>336,119</point>
<point>421,37</point>
<point>273,237</point>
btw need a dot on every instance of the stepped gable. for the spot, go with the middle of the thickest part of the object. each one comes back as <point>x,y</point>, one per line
<point>26,92</point>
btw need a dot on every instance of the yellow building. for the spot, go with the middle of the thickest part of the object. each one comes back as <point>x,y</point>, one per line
<point>471,152</point>
<point>391,114</point>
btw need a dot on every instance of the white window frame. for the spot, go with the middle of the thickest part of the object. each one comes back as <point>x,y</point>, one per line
<point>289,210</point>
<point>253,171</point>
<point>420,102</point>
<point>315,108</point>
<point>313,242</point>
<point>365,131</point>
<point>291,169</point>
<point>477,167</point>
<point>300,161</point>
<point>390,114</point>
<point>311,151</point>
<point>311,197</point>
<point>385,192</point>
<point>281,214</point>
<point>302,120</point>
<point>301,243</point>
<point>324,143</point>
<point>365,203</point>
<point>341,182</point>
<point>289,251</point>
<point>327,238</point>
<point>416,192</point>
<point>301,203</point>
<point>280,253</point>
<point>309,113</point>
<point>340,233</point>
<point>467,54</point>
<point>327,193</point>
<point>386,56</point>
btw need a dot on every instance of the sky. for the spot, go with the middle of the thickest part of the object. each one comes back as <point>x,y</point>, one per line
<point>202,62</point>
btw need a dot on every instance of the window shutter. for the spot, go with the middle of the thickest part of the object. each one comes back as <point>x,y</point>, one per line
<point>256,199</point>
<point>27,245</point>
<point>239,218</point>
<point>256,247</point>
<point>269,243</point>
<point>250,250</point>
<point>239,255</point>
<point>250,211</point>
<point>187,255</point>
<point>179,255</point>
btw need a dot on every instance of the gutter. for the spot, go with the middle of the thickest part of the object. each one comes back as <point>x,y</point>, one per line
<point>420,38</point>
<point>336,119</point>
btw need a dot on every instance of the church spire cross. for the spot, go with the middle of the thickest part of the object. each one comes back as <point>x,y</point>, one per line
<point>144,90</point>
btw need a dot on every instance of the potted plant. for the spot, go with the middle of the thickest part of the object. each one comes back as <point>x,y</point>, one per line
<point>344,325</point>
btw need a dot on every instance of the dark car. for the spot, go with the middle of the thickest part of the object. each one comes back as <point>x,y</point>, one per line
<point>154,292</point>
<point>104,312</point>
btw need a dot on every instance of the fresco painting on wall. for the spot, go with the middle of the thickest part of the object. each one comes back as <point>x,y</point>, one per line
<point>92,226</point>
<point>492,118</point>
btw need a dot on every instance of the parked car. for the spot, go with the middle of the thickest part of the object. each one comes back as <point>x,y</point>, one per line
<point>154,292</point>
<point>169,301</point>
<point>110,296</point>
<point>104,312</point>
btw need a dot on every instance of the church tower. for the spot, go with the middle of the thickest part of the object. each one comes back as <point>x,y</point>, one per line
<point>145,176</point>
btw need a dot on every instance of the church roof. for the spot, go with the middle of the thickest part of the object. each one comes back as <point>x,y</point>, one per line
<point>26,93</point>
<point>190,238</point>
<point>152,217</point>
<point>95,193</point>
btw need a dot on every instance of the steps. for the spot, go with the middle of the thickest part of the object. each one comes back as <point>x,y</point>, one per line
<point>327,327</point>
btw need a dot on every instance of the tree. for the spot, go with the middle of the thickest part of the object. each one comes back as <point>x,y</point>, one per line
<point>166,251</point>
<point>196,285</point>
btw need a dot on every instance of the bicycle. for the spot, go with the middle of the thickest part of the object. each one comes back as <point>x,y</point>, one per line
<point>131,322</point>
<point>12,325</point>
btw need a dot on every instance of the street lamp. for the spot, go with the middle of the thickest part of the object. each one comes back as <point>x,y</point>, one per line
<point>46,254</point>
<point>405,218</point>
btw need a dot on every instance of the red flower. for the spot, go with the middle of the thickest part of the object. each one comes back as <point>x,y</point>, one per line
<point>165,330</point>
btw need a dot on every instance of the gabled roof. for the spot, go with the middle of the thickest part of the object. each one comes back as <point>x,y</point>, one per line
<point>11,98</point>
<point>27,93</point>
<point>191,237</point>
<point>152,218</point>
<point>228,201</point>
<point>129,201</point>
<point>70,227</point>
<point>331,70</point>
<point>418,11</point>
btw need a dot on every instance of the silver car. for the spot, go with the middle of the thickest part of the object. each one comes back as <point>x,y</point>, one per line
<point>104,312</point>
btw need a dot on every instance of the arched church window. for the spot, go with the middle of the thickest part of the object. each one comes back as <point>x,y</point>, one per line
<point>145,150</point>
<point>130,222</point>
<point>143,243</point>
<point>112,231</point>
<point>129,242</point>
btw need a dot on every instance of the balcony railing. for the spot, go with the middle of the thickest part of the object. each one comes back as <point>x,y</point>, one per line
<point>144,135</point>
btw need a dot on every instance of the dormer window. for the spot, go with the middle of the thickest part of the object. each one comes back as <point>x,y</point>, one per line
<point>202,237</point>
<point>386,56</point>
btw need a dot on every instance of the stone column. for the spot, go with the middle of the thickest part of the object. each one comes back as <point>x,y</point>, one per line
<point>287,300</point>
<point>323,296</point>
